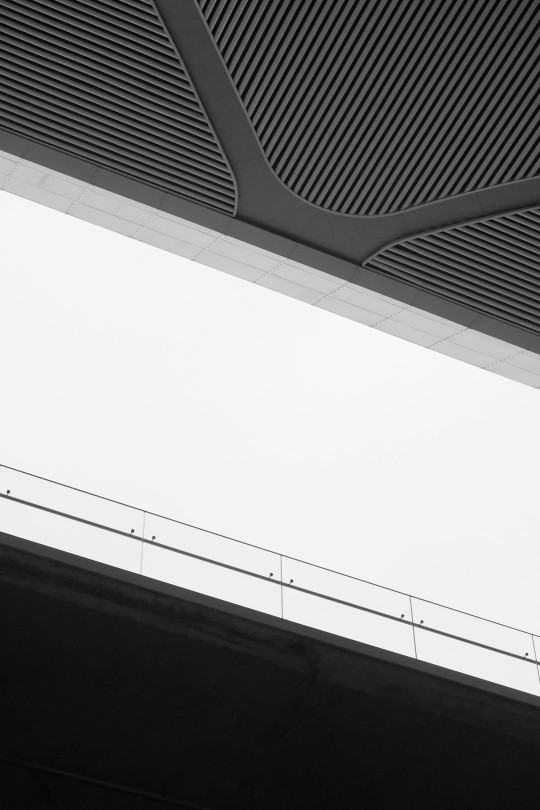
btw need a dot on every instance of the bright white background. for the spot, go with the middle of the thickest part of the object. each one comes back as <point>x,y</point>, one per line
<point>156,381</point>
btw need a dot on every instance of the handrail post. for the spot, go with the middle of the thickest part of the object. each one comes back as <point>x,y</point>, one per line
<point>142,539</point>
<point>281,581</point>
<point>412,625</point>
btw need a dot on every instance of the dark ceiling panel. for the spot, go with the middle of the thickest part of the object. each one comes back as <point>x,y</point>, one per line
<point>365,108</point>
<point>100,79</point>
<point>491,266</point>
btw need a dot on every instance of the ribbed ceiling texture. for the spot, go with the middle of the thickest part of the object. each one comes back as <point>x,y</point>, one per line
<point>101,80</point>
<point>491,266</point>
<point>367,107</point>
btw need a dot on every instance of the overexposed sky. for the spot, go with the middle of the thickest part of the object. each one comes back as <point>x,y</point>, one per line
<point>162,383</point>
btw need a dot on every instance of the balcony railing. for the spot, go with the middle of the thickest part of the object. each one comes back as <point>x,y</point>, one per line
<point>135,540</point>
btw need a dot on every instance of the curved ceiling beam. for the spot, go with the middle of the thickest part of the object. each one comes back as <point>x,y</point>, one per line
<point>367,108</point>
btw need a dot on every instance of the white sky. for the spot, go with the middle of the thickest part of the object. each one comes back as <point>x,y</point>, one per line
<point>156,381</point>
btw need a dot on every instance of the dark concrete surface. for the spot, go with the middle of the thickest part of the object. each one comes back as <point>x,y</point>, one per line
<point>117,691</point>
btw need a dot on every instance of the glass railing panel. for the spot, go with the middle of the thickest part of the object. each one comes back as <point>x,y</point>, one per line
<point>475,646</point>
<point>71,501</point>
<point>66,534</point>
<point>347,607</point>
<point>211,564</point>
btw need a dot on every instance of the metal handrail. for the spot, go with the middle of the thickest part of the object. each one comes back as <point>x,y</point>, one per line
<point>249,545</point>
<point>270,577</point>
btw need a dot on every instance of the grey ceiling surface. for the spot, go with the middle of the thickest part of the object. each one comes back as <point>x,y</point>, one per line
<point>364,107</point>
<point>250,116</point>
<point>100,79</point>
<point>492,265</point>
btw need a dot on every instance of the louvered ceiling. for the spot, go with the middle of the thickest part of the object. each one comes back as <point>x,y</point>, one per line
<point>100,79</point>
<point>366,108</point>
<point>491,266</point>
